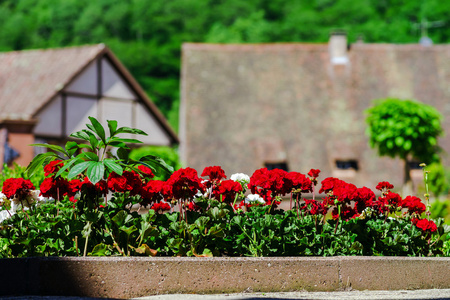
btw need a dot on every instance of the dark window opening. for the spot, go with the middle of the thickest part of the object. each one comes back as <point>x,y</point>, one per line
<point>414,165</point>
<point>278,165</point>
<point>350,164</point>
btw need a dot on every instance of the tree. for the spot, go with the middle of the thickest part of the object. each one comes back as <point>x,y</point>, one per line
<point>406,129</point>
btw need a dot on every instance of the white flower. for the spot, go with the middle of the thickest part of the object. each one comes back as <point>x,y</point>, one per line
<point>3,197</point>
<point>39,199</point>
<point>254,198</point>
<point>240,177</point>
<point>5,215</point>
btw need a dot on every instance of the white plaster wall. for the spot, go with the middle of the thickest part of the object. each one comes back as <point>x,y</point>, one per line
<point>112,83</point>
<point>146,122</point>
<point>50,119</point>
<point>78,110</point>
<point>86,82</point>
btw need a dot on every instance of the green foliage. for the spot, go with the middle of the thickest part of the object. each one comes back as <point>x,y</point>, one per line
<point>16,171</point>
<point>56,230</point>
<point>399,128</point>
<point>439,179</point>
<point>168,154</point>
<point>97,162</point>
<point>441,209</point>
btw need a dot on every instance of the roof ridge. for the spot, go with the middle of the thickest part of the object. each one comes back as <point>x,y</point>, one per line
<point>100,46</point>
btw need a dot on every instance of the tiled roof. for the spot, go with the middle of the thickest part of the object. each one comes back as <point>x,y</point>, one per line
<point>30,78</point>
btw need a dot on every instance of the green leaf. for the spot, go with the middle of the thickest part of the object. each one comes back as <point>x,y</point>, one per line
<point>78,169</point>
<point>92,139</point>
<point>98,129</point>
<point>124,140</point>
<point>146,250</point>
<point>112,125</point>
<point>95,171</point>
<point>113,166</point>
<point>67,164</point>
<point>52,147</point>
<point>156,161</point>
<point>80,135</point>
<point>123,153</point>
<point>89,155</point>
<point>39,161</point>
<point>128,230</point>
<point>86,146</point>
<point>119,218</point>
<point>130,130</point>
<point>99,250</point>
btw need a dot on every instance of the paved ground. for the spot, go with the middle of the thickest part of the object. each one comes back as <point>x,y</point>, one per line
<point>369,295</point>
<point>351,295</point>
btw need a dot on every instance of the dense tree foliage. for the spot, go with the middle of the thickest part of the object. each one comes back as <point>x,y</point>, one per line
<point>147,35</point>
<point>405,129</point>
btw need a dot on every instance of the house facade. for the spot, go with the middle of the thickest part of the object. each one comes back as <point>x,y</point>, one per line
<point>301,106</point>
<point>45,95</point>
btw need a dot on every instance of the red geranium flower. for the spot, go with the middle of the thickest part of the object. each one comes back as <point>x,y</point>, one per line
<point>389,203</point>
<point>227,190</point>
<point>328,184</point>
<point>365,197</point>
<point>152,192</point>
<point>146,171</point>
<point>55,188</point>
<point>193,207</point>
<point>384,185</point>
<point>129,181</point>
<point>298,181</point>
<point>185,183</point>
<point>315,207</point>
<point>160,207</point>
<point>215,174</point>
<point>17,187</point>
<point>53,167</point>
<point>414,205</point>
<point>269,184</point>
<point>347,213</point>
<point>314,173</point>
<point>425,225</point>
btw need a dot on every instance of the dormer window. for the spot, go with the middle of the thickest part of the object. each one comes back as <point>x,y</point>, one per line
<point>348,164</point>
<point>276,165</point>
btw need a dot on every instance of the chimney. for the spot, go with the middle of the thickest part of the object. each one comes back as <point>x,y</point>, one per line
<point>337,47</point>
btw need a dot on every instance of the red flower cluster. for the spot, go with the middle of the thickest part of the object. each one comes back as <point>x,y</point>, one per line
<point>215,174</point>
<point>414,205</point>
<point>17,188</point>
<point>185,183</point>
<point>389,202</point>
<point>425,225</point>
<point>155,191</point>
<point>345,194</point>
<point>56,188</point>
<point>227,190</point>
<point>277,182</point>
<point>146,171</point>
<point>53,167</point>
<point>384,186</point>
<point>129,181</point>
<point>160,207</point>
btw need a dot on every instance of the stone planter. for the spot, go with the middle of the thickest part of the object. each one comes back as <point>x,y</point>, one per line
<point>117,277</point>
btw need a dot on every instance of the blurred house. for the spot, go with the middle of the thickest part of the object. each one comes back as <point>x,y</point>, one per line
<point>301,106</point>
<point>45,95</point>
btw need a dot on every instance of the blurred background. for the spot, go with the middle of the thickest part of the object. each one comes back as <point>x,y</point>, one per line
<point>147,36</point>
